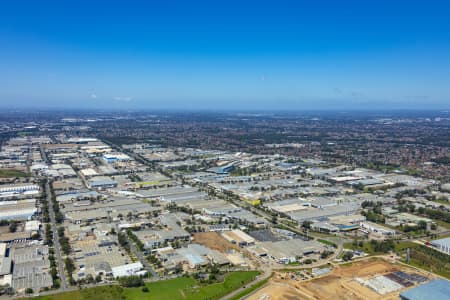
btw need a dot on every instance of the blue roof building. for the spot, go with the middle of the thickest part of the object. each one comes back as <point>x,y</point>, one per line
<point>435,289</point>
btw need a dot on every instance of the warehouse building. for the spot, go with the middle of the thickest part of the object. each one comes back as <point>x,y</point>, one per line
<point>238,237</point>
<point>17,210</point>
<point>100,182</point>
<point>19,188</point>
<point>370,227</point>
<point>435,289</point>
<point>112,158</point>
<point>133,269</point>
<point>442,245</point>
<point>286,251</point>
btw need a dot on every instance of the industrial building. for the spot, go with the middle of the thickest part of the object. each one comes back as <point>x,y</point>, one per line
<point>100,182</point>
<point>286,251</point>
<point>193,256</point>
<point>17,210</point>
<point>128,270</point>
<point>374,228</point>
<point>112,158</point>
<point>31,267</point>
<point>19,188</point>
<point>442,245</point>
<point>19,191</point>
<point>238,237</point>
<point>435,289</point>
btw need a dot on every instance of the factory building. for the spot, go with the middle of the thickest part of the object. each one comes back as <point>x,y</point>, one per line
<point>435,289</point>
<point>442,245</point>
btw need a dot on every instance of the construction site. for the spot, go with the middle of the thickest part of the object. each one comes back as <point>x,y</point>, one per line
<point>369,279</point>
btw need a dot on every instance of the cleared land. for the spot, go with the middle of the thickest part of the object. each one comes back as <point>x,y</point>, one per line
<point>338,284</point>
<point>183,288</point>
<point>215,241</point>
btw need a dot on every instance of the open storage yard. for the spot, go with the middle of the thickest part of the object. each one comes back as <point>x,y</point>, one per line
<point>368,279</point>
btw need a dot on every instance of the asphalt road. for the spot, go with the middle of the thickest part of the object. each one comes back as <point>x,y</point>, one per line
<point>57,247</point>
<point>141,258</point>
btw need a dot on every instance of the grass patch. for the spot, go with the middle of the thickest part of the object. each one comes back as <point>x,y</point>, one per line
<point>431,260</point>
<point>402,246</point>
<point>183,288</point>
<point>111,292</point>
<point>441,201</point>
<point>419,264</point>
<point>75,295</point>
<point>326,242</point>
<point>250,290</point>
<point>322,234</point>
<point>442,224</point>
<point>367,247</point>
<point>9,173</point>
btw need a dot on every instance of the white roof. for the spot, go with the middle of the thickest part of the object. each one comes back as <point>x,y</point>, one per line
<point>89,172</point>
<point>32,225</point>
<point>2,249</point>
<point>127,270</point>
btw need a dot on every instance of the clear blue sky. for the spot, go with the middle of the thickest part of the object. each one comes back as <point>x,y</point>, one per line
<point>228,54</point>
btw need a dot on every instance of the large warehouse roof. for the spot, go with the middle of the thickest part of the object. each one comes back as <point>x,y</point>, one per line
<point>443,242</point>
<point>435,289</point>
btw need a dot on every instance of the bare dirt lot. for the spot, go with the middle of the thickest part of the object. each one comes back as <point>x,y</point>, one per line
<point>213,240</point>
<point>339,284</point>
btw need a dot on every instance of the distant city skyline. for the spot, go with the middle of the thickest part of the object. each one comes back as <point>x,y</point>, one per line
<point>228,55</point>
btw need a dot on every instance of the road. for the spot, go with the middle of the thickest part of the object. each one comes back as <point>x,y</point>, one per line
<point>267,270</point>
<point>141,258</point>
<point>51,212</point>
<point>267,273</point>
<point>57,247</point>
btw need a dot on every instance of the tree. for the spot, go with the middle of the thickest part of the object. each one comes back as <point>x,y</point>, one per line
<point>422,225</point>
<point>131,281</point>
<point>29,291</point>
<point>89,278</point>
<point>325,254</point>
<point>306,224</point>
<point>70,266</point>
<point>348,255</point>
<point>274,219</point>
<point>13,227</point>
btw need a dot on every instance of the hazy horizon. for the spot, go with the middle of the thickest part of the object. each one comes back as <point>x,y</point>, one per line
<point>250,56</point>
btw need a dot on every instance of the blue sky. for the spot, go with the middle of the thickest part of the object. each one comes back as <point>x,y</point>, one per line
<point>274,55</point>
